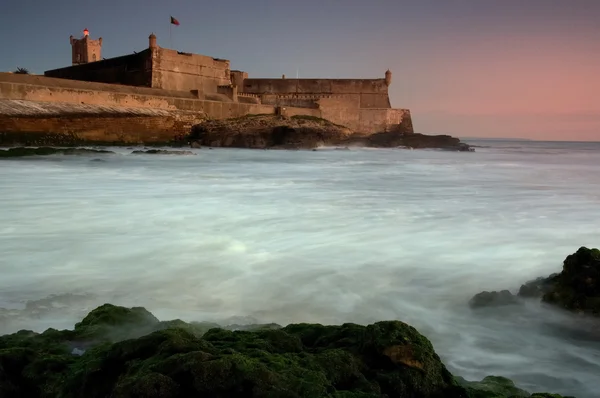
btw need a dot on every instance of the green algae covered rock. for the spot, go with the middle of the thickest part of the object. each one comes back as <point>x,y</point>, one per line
<point>577,287</point>
<point>127,352</point>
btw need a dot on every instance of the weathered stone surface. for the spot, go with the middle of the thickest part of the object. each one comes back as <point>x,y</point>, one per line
<point>126,352</point>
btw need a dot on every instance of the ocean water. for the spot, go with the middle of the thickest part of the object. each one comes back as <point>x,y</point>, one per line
<point>330,236</point>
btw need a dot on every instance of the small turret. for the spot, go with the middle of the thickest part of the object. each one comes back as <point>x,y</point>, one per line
<point>388,77</point>
<point>152,41</point>
<point>85,50</point>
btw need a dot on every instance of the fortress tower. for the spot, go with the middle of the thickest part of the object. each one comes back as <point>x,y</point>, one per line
<point>85,50</point>
<point>388,77</point>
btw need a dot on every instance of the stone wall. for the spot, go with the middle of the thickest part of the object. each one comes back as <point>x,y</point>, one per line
<point>385,120</point>
<point>342,110</point>
<point>173,70</point>
<point>342,101</point>
<point>133,70</point>
<point>45,123</point>
<point>43,81</point>
<point>36,88</point>
<point>38,109</point>
<point>315,86</point>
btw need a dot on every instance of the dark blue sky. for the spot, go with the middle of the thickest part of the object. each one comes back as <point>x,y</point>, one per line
<point>479,67</point>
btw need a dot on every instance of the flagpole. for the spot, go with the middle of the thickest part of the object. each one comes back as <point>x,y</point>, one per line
<point>170,35</point>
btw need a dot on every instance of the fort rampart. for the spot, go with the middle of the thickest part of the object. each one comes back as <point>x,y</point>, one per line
<point>104,112</point>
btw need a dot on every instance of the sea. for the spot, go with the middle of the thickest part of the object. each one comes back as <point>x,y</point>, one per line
<point>329,236</point>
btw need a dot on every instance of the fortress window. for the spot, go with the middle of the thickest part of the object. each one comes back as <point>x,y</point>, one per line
<point>93,57</point>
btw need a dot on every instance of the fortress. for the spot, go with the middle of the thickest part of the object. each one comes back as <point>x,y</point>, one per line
<point>164,91</point>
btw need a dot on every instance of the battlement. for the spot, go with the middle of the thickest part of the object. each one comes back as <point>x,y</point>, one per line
<point>308,96</point>
<point>248,95</point>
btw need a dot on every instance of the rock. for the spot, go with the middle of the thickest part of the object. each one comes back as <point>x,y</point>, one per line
<point>195,144</point>
<point>113,323</point>
<point>537,287</point>
<point>46,151</point>
<point>395,139</point>
<point>173,359</point>
<point>499,387</point>
<point>268,131</point>
<point>162,152</point>
<point>307,132</point>
<point>577,287</point>
<point>494,299</point>
<point>495,386</point>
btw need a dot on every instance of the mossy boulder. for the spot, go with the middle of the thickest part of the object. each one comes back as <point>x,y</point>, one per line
<point>112,323</point>
<point>577,287</point>
<point>130,353</point>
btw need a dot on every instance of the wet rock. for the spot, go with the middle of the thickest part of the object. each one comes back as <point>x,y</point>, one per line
<point>396,139</point>
<point>162,152</point>
<point>178,359</point>
<point>268,131</point>
<point>577,287</point>
<point>195,144</point>
<point>537,287</point>
<point>46,151</point>
<point>494,299</point>
<point>493,386</point>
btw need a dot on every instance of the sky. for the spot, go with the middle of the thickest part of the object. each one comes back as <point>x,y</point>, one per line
<point>469,68</point>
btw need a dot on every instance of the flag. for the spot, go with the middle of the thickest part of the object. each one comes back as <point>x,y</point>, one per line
<point>174,21</point>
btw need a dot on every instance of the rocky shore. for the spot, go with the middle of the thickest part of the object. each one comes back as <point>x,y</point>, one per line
<point>127,352</point>
<point>306,132</point>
